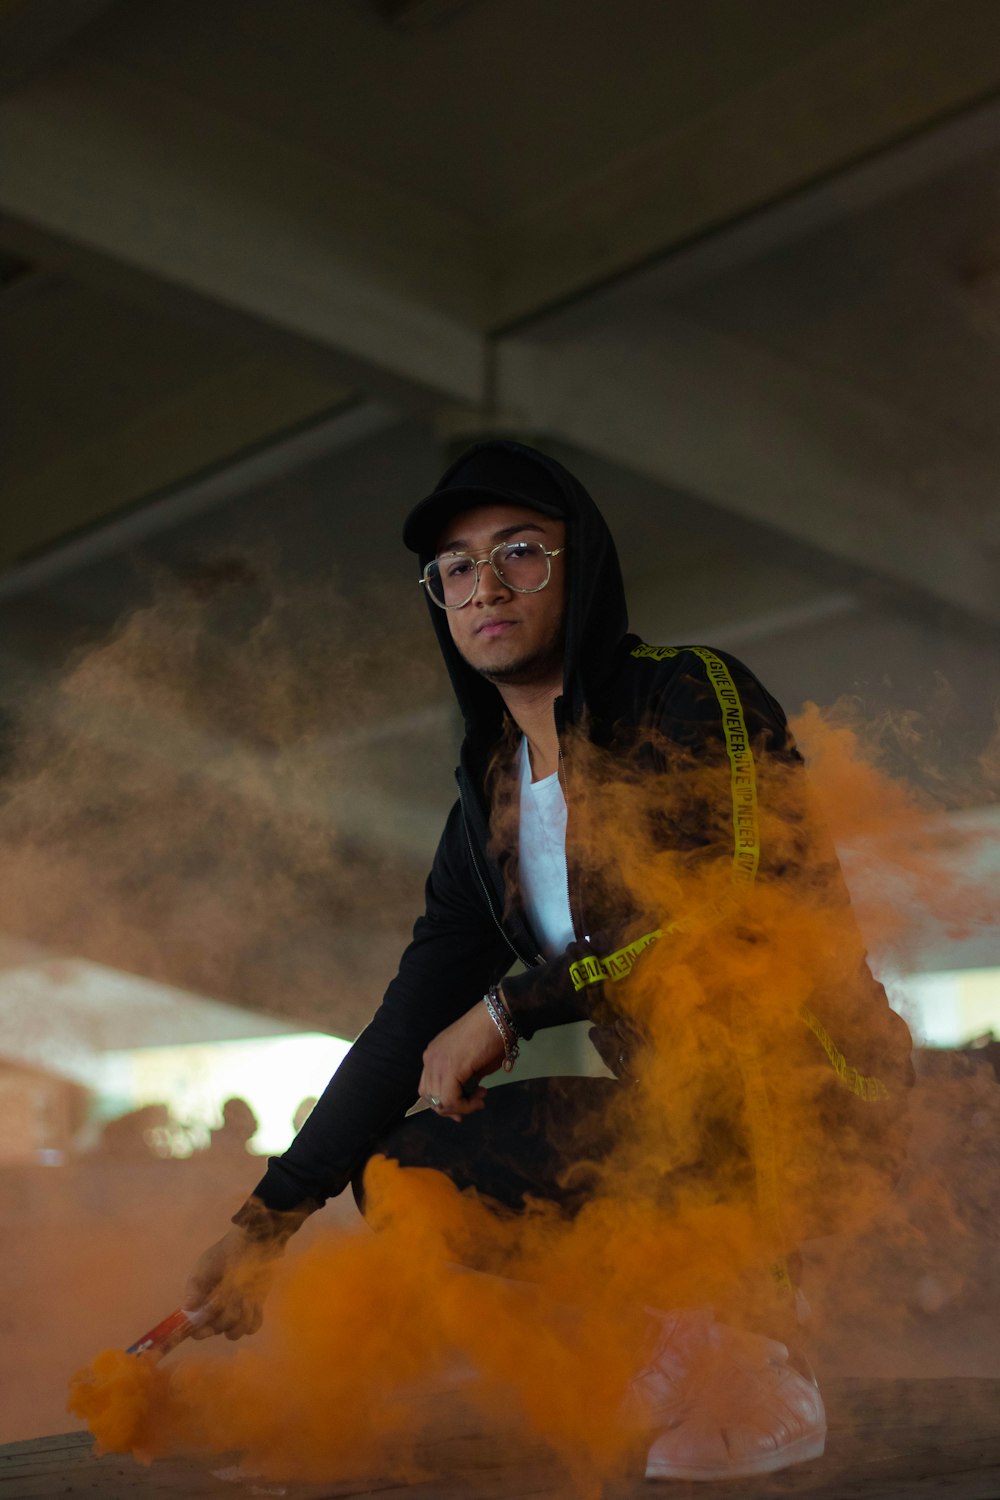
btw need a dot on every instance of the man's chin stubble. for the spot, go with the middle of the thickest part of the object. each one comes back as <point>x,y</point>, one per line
<point>515,674</point>
<point>524,671</point>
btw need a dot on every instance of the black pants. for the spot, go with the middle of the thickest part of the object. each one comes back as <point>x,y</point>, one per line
<point>543,1138</point>
<point>550,1139</point>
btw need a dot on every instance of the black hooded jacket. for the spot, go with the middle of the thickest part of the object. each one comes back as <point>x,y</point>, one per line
<point>470,935</point>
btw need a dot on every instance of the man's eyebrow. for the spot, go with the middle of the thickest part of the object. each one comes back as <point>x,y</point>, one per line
<point>459,544</point>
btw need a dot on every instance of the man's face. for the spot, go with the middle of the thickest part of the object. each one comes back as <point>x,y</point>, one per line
<point>508,637</point>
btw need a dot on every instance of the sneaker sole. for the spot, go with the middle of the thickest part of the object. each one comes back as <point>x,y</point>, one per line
<point>767,1463</point>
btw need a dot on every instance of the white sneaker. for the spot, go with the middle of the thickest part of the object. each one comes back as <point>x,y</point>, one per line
<point>685,1344</point>
<point>727,1402</point>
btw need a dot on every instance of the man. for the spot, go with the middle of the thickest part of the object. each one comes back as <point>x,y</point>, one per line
<point>525,593</point>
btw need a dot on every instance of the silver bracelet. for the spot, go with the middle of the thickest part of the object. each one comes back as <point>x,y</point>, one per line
<point>501,1018</point>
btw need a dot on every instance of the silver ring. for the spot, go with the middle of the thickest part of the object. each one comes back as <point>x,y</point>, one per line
<point>433,1101</point>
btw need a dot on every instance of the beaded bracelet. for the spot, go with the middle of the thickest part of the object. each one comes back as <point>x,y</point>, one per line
<point>503,1022</point>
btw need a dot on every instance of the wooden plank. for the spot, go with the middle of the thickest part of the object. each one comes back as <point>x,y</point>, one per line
<point>455,1461</point>
<point>889,1440</point>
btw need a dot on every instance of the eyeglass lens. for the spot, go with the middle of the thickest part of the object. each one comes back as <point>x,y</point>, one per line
<point>522,566</point>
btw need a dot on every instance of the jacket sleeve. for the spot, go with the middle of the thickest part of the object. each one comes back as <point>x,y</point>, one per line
<point>456,952</point>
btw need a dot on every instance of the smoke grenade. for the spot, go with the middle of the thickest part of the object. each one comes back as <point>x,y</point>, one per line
<point>167,1334</point>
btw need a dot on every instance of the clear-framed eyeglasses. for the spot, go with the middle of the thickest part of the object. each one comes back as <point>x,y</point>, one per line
<point>451,580</point>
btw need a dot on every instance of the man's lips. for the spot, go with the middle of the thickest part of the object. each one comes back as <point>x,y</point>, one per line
<point>495,627</point>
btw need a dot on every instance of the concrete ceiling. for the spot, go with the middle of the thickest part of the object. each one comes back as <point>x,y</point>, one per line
<point>231,216</point>
<point>738,263</point>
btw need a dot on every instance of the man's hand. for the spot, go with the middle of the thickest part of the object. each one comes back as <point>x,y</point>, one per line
<point>232,1278</point>
<point>457,1059</point>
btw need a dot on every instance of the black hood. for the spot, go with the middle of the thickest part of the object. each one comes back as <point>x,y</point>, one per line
<point>596,614</point>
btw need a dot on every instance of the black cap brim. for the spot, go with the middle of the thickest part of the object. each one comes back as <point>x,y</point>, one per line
<point>423,525</point>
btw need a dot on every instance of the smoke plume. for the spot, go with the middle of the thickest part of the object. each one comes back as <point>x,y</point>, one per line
<point>769,1114</point>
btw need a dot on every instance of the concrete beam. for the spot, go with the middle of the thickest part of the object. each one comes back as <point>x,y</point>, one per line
<point>152,513</point>
<point>785,448</point>
<point>153,453</point>
<point>898,73</point>
<point>932,153</point>
<point>387,287</point>
<point>31,30</point>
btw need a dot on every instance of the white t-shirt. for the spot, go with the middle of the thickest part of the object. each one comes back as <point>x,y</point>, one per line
<point>542,859</point>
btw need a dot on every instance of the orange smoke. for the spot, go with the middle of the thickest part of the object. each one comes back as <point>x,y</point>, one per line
<point>761,1028</point>
<point>355,1323</point>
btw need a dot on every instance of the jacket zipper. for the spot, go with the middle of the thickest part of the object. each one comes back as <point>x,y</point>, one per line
<point>578,925</point>
<point>528,963</point>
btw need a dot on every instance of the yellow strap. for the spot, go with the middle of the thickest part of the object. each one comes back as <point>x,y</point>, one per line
<point>655,653</point>
<point>863,1085</point>
<point>743,776</point>
<point>594,970</point>
<point>746,850</point>
<point>746,862</point>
